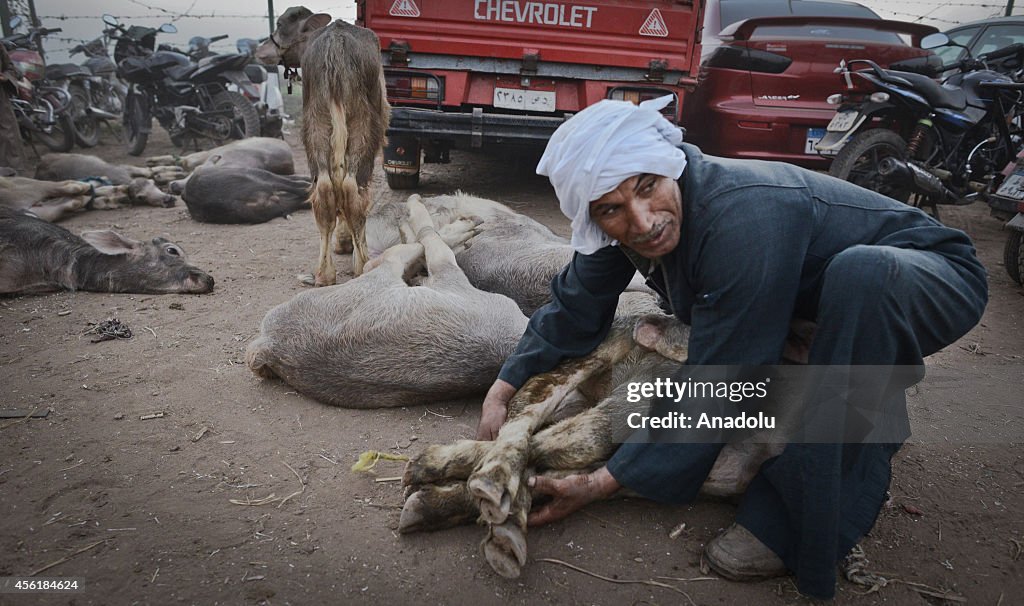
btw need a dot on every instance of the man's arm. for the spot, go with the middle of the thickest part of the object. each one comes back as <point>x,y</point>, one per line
<point>583,300</point>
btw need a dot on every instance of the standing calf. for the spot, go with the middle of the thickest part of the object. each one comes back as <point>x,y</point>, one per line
<point>345,114</point>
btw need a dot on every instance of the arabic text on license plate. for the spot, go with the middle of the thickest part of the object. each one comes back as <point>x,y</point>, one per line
<point>527,100</point>
<point>842,122</point>
<point>813,136</point>
<point>1013,187</point>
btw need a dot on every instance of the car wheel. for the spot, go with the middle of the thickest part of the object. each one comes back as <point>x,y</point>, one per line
<point>857,162</point>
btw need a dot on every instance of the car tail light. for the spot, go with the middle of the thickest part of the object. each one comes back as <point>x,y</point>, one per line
<point>749,59</point>
<point>413,86</point>
<point>637,94</point>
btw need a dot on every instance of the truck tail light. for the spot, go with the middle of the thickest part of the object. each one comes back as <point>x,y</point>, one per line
<point>748,59</point>
<point>637,94</point>
<point>412,86</point>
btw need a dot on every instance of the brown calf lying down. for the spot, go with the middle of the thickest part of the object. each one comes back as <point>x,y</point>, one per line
<point>243,195</point>
<point>64,167</point>
<point>39,257</point>
<point>55,200</point>
<point>567,421</point>
<point>266,153</point>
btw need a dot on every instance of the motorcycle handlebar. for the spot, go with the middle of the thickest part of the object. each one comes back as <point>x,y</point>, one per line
<point>219,38</point>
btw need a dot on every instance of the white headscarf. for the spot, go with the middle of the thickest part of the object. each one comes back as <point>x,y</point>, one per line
<point>599,148</point>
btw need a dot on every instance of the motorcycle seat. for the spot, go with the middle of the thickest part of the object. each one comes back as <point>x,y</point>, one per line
<point>65,70</point>
<point>935,93</point>
<point>100,66</point>
<point>181,72</point>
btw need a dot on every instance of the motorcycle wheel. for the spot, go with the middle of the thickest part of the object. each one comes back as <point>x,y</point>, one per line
<point>61,137</point>
<point>86,126</point>
<point>857,162</point>
<point>246,122</point>
<point>135,118</point>
<point>1013,256</point>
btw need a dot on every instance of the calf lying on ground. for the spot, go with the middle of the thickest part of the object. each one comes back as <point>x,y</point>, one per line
<point>39,257</point>
<point>547,433</point>
<point>511,253</point>
<point>265,153</point>
<point>243,195</point>
<point>63,167</point>
<point>55,200</point>
<point>345,114</point>
<point>374,341</point>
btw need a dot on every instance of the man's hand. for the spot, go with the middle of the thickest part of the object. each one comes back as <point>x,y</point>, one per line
<point>494,410</point>
<point>570,493</point>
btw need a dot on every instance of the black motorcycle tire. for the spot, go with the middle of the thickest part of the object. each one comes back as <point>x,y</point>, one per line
<point>134,119</point>
<point>86,125</point>
<point>857,162</point>
<point>247,120</point>
<point>1013,256</point>
<point>61,137</point>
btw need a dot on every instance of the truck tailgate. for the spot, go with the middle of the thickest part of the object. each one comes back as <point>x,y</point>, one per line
<point>613,33</point>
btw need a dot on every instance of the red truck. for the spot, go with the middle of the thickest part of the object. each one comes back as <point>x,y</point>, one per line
<point>472,74</point>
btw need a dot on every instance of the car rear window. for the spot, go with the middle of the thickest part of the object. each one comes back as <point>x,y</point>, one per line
<point>738,10</point>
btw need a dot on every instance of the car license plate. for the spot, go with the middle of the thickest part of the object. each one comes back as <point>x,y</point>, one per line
<point>1013,187</point>
<point>527,100</point>
<point>842,121</point>
<point>813,136</point>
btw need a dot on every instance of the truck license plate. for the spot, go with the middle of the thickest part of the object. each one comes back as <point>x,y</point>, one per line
<point>527,100</point>
<point>842,121</point>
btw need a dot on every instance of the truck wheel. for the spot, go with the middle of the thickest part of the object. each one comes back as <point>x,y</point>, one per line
<point>403,180</point>
<point>1013,256</point>
<point>402,162</point>
<point>857,162</point>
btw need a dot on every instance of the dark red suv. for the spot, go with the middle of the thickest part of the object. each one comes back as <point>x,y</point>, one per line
<point>769,66</point>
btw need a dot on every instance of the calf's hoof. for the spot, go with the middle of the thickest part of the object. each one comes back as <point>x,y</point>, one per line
<point>492,498</point>
<point>436,508</point>
<point>505,550</point>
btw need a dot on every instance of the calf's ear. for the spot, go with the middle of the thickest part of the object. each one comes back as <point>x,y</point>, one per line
<point>109,242</point>
<point>315,22</point>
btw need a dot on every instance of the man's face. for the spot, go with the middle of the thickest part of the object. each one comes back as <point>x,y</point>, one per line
<point>644,213</point>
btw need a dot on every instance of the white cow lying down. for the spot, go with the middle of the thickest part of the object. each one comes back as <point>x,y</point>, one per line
<point>510,254</point>
<point>377,341</point>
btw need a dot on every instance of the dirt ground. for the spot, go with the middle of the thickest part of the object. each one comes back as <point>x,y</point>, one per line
<point>145,511</point>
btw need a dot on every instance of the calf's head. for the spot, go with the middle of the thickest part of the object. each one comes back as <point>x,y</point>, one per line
<point>158,266</point>
<point>294,29</point>
<point>145,191</point>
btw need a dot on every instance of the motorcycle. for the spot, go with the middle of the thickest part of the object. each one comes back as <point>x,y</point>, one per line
<point>903,134</point>
<point>190,100</point>
<point>97,94</point>
<point>1007,204</point>
<point>268,100</point>
<point>42,109</point>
